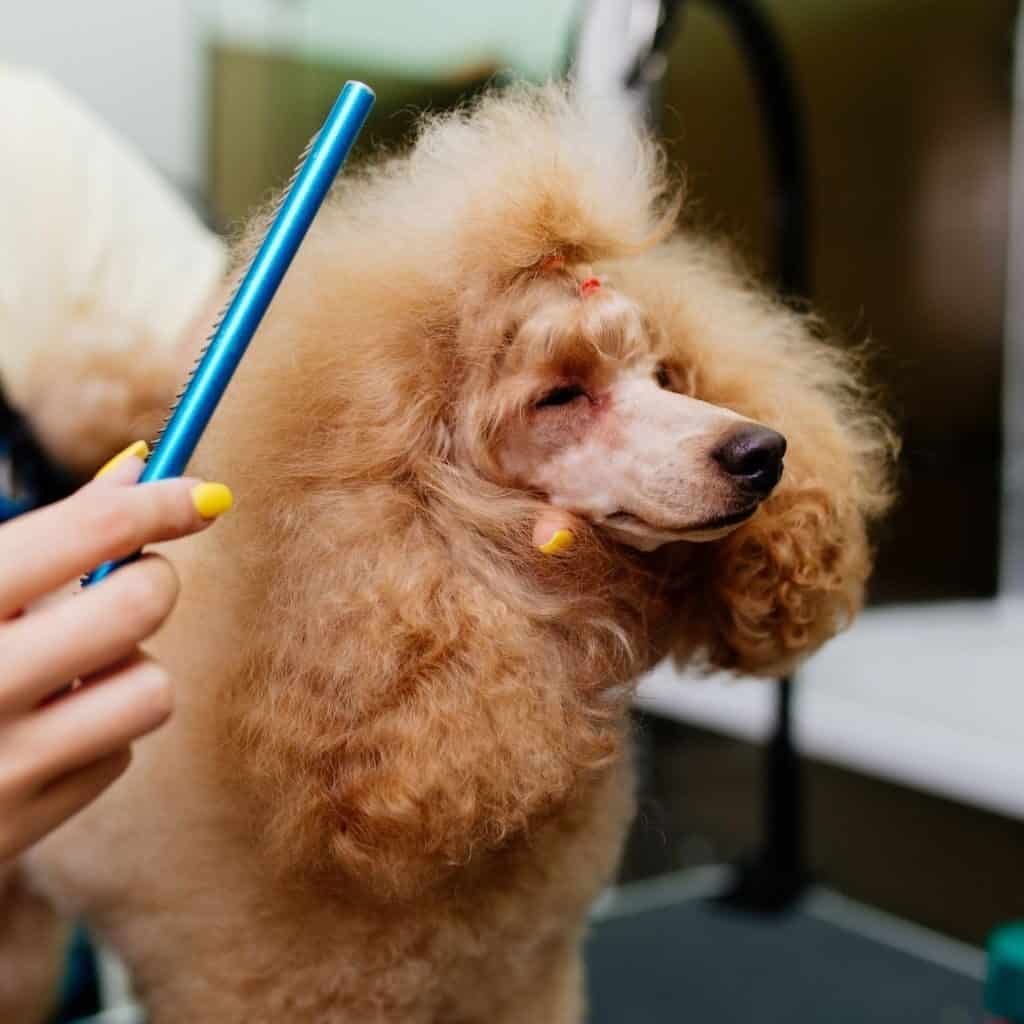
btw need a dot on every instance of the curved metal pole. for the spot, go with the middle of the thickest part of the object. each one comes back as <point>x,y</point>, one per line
<point>777,873</point>
<point>784,138</point>
<point>619,50</point>
<point>622,49</point>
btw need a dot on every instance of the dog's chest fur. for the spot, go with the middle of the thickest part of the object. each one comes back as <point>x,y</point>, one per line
<point>210,937</point>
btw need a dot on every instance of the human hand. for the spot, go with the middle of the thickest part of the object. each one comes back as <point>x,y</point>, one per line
<point>75,688</point>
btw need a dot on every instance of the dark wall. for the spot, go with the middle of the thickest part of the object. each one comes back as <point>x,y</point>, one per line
<point>907,106</point>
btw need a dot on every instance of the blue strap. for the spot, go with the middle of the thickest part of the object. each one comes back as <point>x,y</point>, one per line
<point>80,992</point>
<point>28,476</point>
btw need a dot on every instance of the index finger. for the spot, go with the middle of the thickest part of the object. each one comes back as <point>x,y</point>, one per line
<point>52,546</point>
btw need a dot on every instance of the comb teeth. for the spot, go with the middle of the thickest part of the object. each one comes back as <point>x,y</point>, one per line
<point>195,364</point>
<point>282,195</point>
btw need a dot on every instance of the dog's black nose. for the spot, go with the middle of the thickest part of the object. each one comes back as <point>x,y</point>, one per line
<point>753,455</point>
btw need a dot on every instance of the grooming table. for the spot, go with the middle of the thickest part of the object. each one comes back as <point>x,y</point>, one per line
<point>662,951</point>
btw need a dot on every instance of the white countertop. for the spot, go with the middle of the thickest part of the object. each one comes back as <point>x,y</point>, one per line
<point>929,696</point>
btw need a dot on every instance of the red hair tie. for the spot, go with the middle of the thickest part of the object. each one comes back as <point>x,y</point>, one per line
<point>589,286</point>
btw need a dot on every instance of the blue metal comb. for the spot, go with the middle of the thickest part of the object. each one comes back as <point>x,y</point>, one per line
<point>301,199</point>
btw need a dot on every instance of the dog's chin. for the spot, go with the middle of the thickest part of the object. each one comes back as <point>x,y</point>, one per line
<point>638,533</point>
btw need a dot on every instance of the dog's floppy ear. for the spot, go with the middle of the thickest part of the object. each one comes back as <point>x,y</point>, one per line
<point>779,586</point>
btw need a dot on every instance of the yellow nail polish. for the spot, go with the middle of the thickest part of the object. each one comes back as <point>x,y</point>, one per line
<point>212,500</point>
<point>561,540</point>
<point>137,448</point>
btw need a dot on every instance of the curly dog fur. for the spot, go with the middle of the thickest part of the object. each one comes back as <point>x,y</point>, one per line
<point>396,779</point>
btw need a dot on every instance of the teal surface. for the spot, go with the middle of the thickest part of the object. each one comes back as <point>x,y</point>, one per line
<point>80,995</point>
<point>1004,986</point>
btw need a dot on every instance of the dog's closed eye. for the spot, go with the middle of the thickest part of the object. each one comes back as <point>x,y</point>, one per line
<point>561,396</point>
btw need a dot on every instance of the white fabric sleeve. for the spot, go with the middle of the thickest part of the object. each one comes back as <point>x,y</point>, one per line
<point>88,232</point>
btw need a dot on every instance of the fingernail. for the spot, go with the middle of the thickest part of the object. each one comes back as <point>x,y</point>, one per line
<point>137,448</point>
<point>212,500</point>
<point>561,540</point>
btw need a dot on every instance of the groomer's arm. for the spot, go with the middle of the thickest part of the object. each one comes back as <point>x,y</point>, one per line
<point>104,274</point>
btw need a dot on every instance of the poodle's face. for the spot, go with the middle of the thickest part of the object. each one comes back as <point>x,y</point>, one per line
<point>597,418</point>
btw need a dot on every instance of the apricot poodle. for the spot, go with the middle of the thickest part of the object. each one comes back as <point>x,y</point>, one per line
<point>397,775</point>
